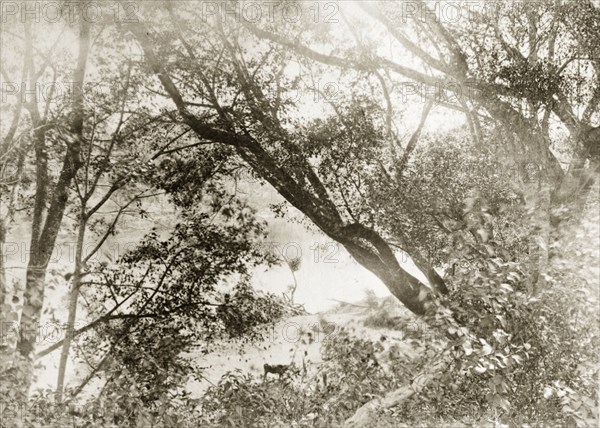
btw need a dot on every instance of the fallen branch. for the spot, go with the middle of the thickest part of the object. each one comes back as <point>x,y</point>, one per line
<point>364,416</point>
<point>350,304</point>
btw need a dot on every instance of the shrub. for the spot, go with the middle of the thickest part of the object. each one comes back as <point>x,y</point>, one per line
<point>519,358</point>
<point>354,376</point>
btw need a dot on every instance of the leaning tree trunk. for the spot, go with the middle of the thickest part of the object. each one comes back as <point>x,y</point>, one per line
<point>364,244</point>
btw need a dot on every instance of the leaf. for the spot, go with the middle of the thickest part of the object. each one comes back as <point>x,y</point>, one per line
<point>541,243</point>
<point>487,349</point>
<point>28,310</point>
<point>468,348</point>
<point>498,401</point>
<point>502,320</point>
<point>483,235</point>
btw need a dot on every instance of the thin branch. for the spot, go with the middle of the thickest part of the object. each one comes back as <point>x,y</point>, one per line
<point>412,143</point>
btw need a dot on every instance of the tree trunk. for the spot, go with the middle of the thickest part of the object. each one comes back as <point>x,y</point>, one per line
<point>3,290</point>
<point>573,190</point>
<point>3,286</point>
<point>8,314</point>
<point>73,297</point>
<point>44,232</point>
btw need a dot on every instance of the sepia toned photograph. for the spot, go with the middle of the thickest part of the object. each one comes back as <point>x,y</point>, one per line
<point>299,213</point>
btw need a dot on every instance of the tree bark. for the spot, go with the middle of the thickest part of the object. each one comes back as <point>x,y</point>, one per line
<point>77,129</point>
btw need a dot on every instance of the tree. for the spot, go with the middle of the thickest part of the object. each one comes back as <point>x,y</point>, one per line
<point>246,118</point>
<point>116,151</point>
<point>116,159</point>
<point>525,67</point>
<point>254,117</point>
<point>171,289</point>
<point>48,206</point>
<point>517,76</point>
<point>226,79</point>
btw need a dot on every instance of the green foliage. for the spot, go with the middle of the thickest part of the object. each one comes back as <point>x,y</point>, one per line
<point>119,406</point>
<point>385,313</point>
<point>529,357</point>
<point>371,300</point>
<point>242,400</point>
<point>178,305</point>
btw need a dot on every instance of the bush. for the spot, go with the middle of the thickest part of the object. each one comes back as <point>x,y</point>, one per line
<point>383,319</point>
<point>520,358</point>
<point>354,376</point>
